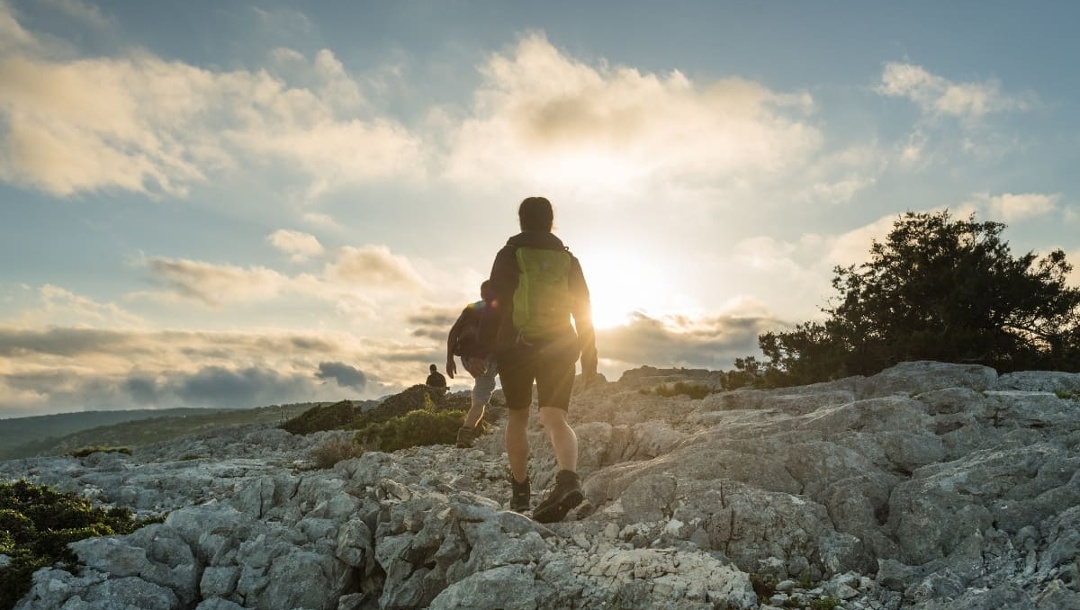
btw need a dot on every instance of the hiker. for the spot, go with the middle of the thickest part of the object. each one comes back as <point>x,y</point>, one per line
<point>477,355</point>
<point>538,287</point>
<point>436,380</point>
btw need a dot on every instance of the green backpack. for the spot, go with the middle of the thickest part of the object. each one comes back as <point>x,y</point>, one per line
<point>542,300</point>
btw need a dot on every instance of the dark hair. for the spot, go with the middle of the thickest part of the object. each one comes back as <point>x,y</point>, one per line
<point>535,214</point>
<point>433,368</point>
<point>486,292</point>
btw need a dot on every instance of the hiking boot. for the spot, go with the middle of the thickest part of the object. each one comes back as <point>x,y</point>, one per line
<point>565,496</point>
<point>520,495</point>
<point>466,437</point>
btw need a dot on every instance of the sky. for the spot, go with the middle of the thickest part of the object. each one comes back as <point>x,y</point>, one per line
<point>242,203</point>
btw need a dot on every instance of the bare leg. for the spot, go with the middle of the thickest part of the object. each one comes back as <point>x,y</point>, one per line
<point>517,443</point>
<point>563,438</point>
<point>482,389</point>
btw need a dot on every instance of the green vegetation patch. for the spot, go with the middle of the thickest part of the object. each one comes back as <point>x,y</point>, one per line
<point>697,391</point>
<point>415,428</point>
<point>85,451</point>
<point>323,417</point>
<point>416,416</point>
<point>333,451</point>
<point>36,525</point>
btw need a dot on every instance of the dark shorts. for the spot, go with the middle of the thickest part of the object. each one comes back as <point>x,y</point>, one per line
<point>551,365</point>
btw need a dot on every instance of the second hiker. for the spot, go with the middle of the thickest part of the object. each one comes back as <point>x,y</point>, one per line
<point>538,287</point>
<point>472,339</point>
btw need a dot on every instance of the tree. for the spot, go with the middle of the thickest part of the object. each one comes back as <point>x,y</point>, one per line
<point>937,289</point>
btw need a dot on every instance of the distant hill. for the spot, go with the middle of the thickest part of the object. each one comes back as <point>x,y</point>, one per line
<point>56,434</point>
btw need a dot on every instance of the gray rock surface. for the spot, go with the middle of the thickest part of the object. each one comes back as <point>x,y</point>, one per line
<point>926,486</point>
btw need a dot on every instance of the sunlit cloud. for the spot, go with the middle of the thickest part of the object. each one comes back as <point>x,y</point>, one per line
<point>299,246</point>
<point>939,96</point>
<point>143,124</point>
<point>706,342</point>
<point>356,279</point>
<point>55,306</point>
<point>543,116</point>
<point>1012,207</point>
<point>373,267</point>
<point>73,369</point>
<point>216,285</point>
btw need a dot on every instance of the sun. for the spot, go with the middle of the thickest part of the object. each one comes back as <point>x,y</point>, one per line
<point>621,283</point>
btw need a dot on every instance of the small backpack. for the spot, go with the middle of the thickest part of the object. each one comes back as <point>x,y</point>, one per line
<point>542,300</point>
<point>467,343</point>
<point>471,341</point>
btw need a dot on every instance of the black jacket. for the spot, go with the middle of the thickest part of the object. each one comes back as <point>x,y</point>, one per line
<point>504,279</point>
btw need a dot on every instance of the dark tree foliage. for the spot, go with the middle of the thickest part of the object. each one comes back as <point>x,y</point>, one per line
<point>935,289</point>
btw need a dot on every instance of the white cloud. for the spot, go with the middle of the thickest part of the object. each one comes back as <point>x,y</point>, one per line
<point>1010,207</point>
<point>357,281</point>
<point>86,13</point>
<point>56,306</point>
<point>541,116</point>
<point>140,123</point>
<point>217,285</point>
<point>373,268</point>
<point>939,96</point>
<point>12,35</point>
<point>299,246</point>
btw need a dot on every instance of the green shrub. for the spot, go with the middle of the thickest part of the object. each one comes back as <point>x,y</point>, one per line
<point>335,450</point>
<point>323,417</point>
<point>764,585</point>
<point>415,428</point>
<point>696,391</point>
<point>36,525</point>
<point>85,451</point>
<point>825,603</point>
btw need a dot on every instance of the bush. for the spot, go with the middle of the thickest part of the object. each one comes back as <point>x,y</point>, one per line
<point>36,525</point>
<point>335,450</point>
<point>85,451</point>
<point>696,391</point>
<point>323,417</point>
<point>415,428</point>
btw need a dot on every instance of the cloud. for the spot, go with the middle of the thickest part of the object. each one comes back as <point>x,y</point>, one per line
<point>12,35</point>
<point>346,376</point>
<point>143,124</point>
<point>66,369</point>
<point>248,387</point>
<point>368,267</point>
<point>217,285</point>
<point>542,116</point>
<point>433,323</point>
<point>85,13</point>
<point>299,246</point>
<point>709,342</point>
<point>65,342</point>
<point>1010,207</point>
<point>53,305</point>
<point>936,95</point>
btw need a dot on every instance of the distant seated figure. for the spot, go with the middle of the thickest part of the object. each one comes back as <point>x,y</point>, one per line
<point>436,380</point>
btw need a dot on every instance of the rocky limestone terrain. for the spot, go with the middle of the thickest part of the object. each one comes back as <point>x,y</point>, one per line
<point>926,486</point>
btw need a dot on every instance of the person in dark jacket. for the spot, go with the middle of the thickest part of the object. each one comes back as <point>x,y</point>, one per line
<point>436,380</point>
<point>472,338</point>
<point>549,359</point>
